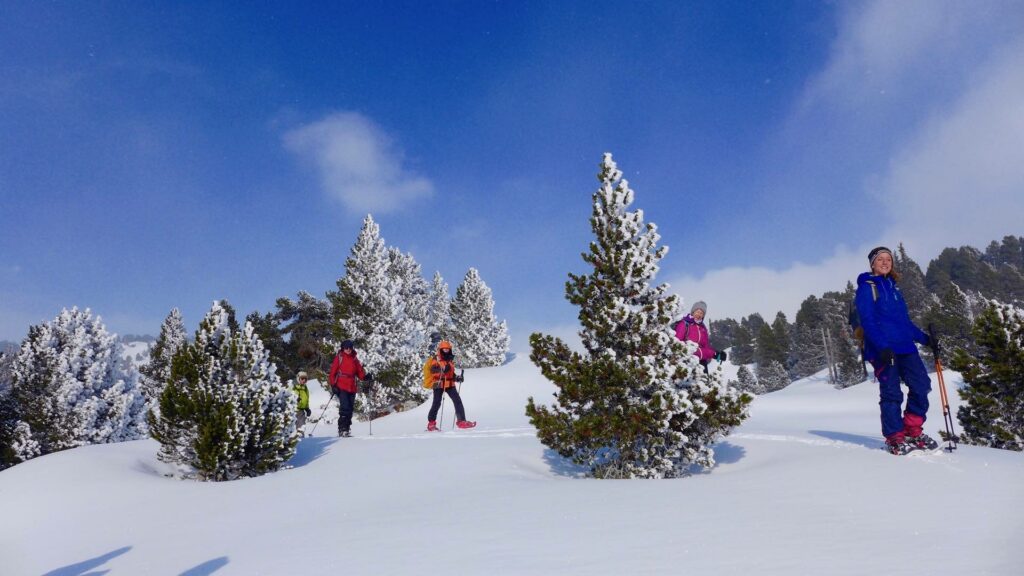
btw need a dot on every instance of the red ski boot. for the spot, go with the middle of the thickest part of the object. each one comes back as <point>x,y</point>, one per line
<point>465,424</point>
<point>432,426</point>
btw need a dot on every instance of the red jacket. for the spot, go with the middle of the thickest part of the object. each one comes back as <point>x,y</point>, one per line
<point>344,371</point>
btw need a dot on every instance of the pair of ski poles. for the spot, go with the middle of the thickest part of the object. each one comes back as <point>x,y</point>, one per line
<point>947,415</point>
<point>440,417</point>
<point>317,421</point>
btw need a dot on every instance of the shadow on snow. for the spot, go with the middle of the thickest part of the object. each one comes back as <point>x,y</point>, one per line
<point>866,441</point>
<point>309,449</point>
<point>83,568</point>
<point>207,568</point>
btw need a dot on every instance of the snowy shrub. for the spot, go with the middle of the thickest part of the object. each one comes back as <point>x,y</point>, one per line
<point>155,374</point>
<point>480,340</point>
<point>747,382</point>
<point>636,404</point>
<point>225,413</point>
<point>772,376</point>
<point>73,387</point>
<point>992,413</point>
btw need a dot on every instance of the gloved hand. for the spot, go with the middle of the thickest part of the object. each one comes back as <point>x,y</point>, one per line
<point>309,412</point>
<point>933,343</point>
<point>721,356</point>
<point>369,377</point>
<point>886,357</point>
<point>448,368</point>
<point>460,378</point>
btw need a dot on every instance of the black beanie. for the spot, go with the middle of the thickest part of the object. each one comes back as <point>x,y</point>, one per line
<point>875,252</point>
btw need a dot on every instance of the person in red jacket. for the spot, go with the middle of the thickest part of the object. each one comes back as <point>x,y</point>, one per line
<point>441,370</point>
<point>345,370</point>
<point>691,329</point>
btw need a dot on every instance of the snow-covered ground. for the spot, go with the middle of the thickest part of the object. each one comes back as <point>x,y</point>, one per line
<point>800,488</point>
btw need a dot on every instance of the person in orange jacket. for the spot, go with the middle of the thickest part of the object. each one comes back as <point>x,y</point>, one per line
<point>345,369</point>
<point>440,368</point>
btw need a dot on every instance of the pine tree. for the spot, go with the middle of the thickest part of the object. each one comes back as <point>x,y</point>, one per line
<point>267,327</point>
<point>992,413</point>
<point>480,340</point>
<point>225,413</point>
<point>951,318</point>
<point>369,310</point>
<point>439,312</point>
<point>153,376</point>
<point>9,416</point>
<point>912,285</point>
<point>636,404</point>
<point>306,322</point>
<point>722,333</point>
<point>747,382</point>
<point>415,295</point>
<point>72,386</point>
<point>772,376</point>
<point>773,342</point>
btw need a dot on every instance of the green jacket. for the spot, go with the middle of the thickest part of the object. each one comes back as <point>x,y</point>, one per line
<point>303,393</point>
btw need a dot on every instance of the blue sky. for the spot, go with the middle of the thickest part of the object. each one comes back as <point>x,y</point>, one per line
<point>164,155</point>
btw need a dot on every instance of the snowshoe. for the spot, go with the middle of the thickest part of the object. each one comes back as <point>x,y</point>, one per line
<point>465,424</point>
<point>344,434</point>
<point>922,442</point>
<point>899,448</point>
<point>432,426</point>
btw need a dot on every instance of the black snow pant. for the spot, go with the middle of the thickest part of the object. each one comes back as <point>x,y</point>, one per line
<point>460,412</point>
<point>346,404</point>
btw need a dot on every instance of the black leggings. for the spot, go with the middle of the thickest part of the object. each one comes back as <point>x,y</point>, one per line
<point>460,412</point>
<point>346,403</point>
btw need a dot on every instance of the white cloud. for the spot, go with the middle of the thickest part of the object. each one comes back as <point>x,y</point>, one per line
<point>358,163</point>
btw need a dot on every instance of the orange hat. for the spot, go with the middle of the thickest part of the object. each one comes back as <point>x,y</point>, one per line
<point>444,345</point>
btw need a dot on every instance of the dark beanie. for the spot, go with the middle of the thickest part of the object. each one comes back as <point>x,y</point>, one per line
<point>875,252</point>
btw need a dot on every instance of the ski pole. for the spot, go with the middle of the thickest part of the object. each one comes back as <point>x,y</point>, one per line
<point>317,423</point>
<point>462,377</point>
<point>947,416</point>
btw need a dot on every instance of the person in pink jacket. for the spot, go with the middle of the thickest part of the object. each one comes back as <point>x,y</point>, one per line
<point>691,329</point>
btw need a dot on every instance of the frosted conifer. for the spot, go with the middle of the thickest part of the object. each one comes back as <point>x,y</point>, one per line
<point>636,404</point>
<point>439,312</point>
<point>73,387</point>
<point>369,311</point>
<point>154,375</point>
<point>772,376</point>
<point>225,413</point>
<point>480,340</point>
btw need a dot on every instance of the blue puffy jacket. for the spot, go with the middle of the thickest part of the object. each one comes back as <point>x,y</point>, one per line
<point>883,314</point>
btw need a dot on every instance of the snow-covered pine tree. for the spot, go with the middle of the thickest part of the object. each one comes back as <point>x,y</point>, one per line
<point>636,404</point>
<point>415,295</point>
<point>439,312</point>
<point>952,319</point>
<point>369,310</point>
<point>747,382</point>
<point>912,285</point>
<point>225,413</point>
<point>772,376</point>
<point>72,386</point>
<point>8,413</point>
<point>480,340</point>
<point>992,412</point>
<point>154,375</point>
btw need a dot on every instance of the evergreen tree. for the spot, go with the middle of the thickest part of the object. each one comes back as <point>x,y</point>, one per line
<point>415,295</point>
<point>772,376</point>
<point>773,342</point>
<point>153,376</point>
<point>307,323</point>
<point>722,333</point>
<point>951,318</point>
<point>225,413</point>
<point>72,386</point>
<point>368,309</point>
<point>479,338</point>
<point>912,285</point>
<point>744,347</point>
<point>992,413</point>
<point>747,382</point>
<point>9,417</point>
<point>267,327</point>
<point>439,312</point>
<point>636,403</point>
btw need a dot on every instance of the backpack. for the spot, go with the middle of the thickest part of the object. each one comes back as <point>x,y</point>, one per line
<point>854,317</point>
<point>428,376</point>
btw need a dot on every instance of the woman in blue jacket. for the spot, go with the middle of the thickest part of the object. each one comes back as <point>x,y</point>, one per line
<point>889,337</point>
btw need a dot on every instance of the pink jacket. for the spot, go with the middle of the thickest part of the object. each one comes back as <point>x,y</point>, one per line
<point>689,330</point>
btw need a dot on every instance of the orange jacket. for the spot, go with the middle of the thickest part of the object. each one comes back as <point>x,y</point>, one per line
<point>440,371</point>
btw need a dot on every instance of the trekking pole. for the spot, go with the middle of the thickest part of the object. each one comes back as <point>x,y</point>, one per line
<point>462,377</point>
<point>317,423</point>
<point>947,416</point>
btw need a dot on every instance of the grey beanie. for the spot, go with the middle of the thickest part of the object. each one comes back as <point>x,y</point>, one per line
<point>876,251</point>
<point>699,305</point>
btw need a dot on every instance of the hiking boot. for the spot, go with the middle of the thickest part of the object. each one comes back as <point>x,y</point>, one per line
<point>922,442</point>
<point>344,434</point>
<point>465,424</point>
<point>432,426</point>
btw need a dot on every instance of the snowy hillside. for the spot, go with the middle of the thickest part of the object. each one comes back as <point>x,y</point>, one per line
<point>137,352</point>
<point>800,488</point>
